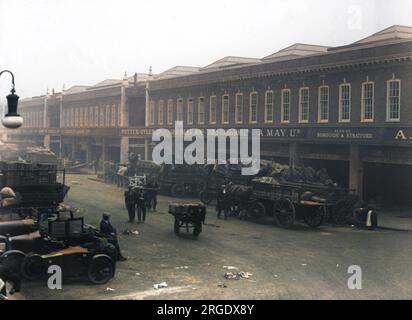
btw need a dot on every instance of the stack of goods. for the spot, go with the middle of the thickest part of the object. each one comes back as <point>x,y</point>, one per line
<point>273,173</point>
<point>9,152</point>
<point>40,155</point>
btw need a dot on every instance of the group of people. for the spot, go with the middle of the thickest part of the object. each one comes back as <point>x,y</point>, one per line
<point>141,195</point>
<point>139,199</point>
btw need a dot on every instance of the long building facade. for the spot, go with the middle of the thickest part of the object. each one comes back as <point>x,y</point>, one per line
<point>347,109</point>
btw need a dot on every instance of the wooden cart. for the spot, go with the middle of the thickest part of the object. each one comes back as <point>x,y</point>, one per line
<point>189,216</point>
<point>288,202</point>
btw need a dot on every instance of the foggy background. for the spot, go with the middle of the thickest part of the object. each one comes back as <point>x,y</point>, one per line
<point>48,43</point>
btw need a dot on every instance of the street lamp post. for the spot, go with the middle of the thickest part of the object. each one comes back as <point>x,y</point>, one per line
<point>12,119</point>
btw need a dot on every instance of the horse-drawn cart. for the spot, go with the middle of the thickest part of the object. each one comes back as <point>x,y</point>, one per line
<point>188,216</point>
<point>219,176</point>
<point>181,180</point>
<point>287,202</point>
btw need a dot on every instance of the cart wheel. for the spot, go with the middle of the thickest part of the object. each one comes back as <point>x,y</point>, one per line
<point>177,190</point>
<point>12,260</point>
<point>342,211</point>
<point>314,218</point>
<point>205,197</point>
<point>197,229</point>
<point>258,210</point>
<point>100,269</point>
<point>284,213</point>
<point>177,226</point>
<point>33,267</point>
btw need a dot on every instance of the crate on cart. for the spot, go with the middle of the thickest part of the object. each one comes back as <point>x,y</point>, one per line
<point>189,216</point>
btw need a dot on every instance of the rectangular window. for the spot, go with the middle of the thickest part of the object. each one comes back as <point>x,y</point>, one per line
<point>179,110</point>
<point>201,111</point>
<point>76,117</point>
<point>107,120</point>
<point>81,118</point>
<point>225,109</point>
<point>190,111</point>
<point>160,112</point>
<point>269,106</point>
<point>323,104</point>
<point>91,117</point>
<point>393,102</point>
<point>86,117</point>
<point>239,108</point>
<point>304,104</point>
<point>119,115</point>
<point>253,107</point>
<point>65,119</point>
<point>101,117</point>
<point>96,116</point>
<point>71,117</point>
<point>114,116</point>
<point>212,118</point>
<point>344,102</point>
<point>367,103</point>
<point>285,110</point>
<point>170,111</point>
<point>152,112</point>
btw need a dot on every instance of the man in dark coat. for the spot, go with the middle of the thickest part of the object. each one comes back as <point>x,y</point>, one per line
<point>151,193</point>
<point>141,205</point>
<point>222,203</point>
<point>110,232</point>
<point>366,214</point>
<point>129,199</point>
<point>136,202</point>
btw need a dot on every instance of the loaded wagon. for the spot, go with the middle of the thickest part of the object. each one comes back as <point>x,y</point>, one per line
<point>287,202</point>
<point>181,180</point>
<point>188,216</point>
<point>217,178</point>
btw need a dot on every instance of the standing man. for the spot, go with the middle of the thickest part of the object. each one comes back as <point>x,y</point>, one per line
<point>141,205</point>
<point>95,166</point>
<point>152,189</point>
<point>130,202</point>
<point>222,203</point>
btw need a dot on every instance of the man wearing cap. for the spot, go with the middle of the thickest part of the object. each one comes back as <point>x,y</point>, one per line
<point>108,230</point>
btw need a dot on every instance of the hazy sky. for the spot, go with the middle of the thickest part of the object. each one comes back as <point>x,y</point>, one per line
<point>50,42</point>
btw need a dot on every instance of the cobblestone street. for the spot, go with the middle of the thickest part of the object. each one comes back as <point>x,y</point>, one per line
<point>301,263</point>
